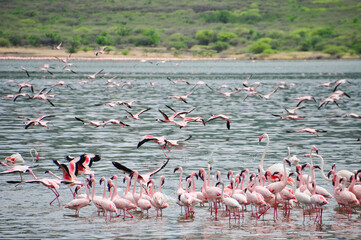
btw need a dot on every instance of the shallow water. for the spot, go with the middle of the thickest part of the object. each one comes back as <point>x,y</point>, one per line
<point>25,210</point>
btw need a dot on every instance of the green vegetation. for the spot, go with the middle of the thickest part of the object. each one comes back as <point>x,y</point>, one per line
<point>200,27</point>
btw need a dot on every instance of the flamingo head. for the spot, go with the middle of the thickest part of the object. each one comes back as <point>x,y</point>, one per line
<point>316,166</point>
<point>151,181</point>
<point>287,161</point>
<point>305,165</point>
<point>101,180</point>
<point>315,149</point>
<point>77,188</point>
<point>114,177</point>
<point>230,173</point>
<point>177,169</point>
<point>162,180</point>
<point>331,172</point>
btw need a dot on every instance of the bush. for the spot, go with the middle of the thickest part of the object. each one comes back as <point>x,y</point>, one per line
<point>4,42</point>
<point>177,45</point>
<point>226,36</point>
<point>205,36</point>
<point>86,48</point>
<point>357,48</point>
<point>125,51</point>
<point>219,46</point>
<point>335,50</point>
<point>148,37</point>
<point>74,45</point>
<point>259,47</point>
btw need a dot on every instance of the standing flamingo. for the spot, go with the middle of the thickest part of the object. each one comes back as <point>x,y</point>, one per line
<point>78,203</point>
<point>231,203</point>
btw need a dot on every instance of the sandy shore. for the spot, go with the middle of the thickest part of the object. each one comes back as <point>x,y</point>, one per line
<point>144,54</point>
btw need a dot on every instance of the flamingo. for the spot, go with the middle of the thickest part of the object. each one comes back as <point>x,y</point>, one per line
<point>180,189</point>
<point>106,203</point>
<point>228,94</point>
<point>355,189</point>
<point>178,80</point>
<point>309,130</point>
<point>25,85</point>
<point>142,178</point>
<point>127,194</point>
<point>52,184</point>
<point>92,76</point>
<point>268,96</point>
<point>15,169</point>
<point>42,95</point>
<point>158,198</point>
<point>136,116</point>
<point>339,82</point>
<point>143,204</point>
<point>277,187</point>
<point>354,115</point>
<point>304,99</point>
<point>343,173</point>
<point>224,117</point>
<point>278,167</point>
<point>38,121</point>
<point>115,122</point>
<point>120,202</point>
<point>201,83</point>
<point>84,162</point>
<point>162,142</point>
<point>181,97</point>
<point>316,199</point>
<point>198,195</point>
<point>293,110</point>
<point>174,143</point>
<point>213,194</point>
<point>58,47</point>
<point>301,193</point>
<point>101,51</point>
<point>93,123</point>
<point>231,203</point>
<point>78,203</point>
<point>256,200</point>
<point>14,159</point>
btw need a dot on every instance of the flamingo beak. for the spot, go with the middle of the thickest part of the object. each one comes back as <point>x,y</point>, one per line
<point>260,139</point>
<point>316,150</point>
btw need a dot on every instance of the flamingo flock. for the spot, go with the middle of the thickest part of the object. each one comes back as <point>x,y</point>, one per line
<point>259,192</point>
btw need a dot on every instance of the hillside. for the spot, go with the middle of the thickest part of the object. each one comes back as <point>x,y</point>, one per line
<point>199,28</point>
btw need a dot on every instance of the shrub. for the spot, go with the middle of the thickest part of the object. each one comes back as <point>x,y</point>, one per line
<point>259,47</point>
<point>205,36</point>
<point>125,51</point>
<point>86,48</point>
<point>4,42</point>
<point>357,48</point>
<point>335,50</point>
<point>177,45</point>
<point>148,37</point>
<point>219,46</point>
<point>226,36</point>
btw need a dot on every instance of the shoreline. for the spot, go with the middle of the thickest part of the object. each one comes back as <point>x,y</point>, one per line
<point>141,54</point>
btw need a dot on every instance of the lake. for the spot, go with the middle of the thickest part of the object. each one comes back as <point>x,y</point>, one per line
<point>25,209</point>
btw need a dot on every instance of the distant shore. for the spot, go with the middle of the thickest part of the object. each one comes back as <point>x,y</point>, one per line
<point>22,53</point>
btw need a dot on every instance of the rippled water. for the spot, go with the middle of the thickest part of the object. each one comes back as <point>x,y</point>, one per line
<point>25,210</point>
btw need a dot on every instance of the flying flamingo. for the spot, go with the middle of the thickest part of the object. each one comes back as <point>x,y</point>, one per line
<point>201,83</point>
<point>181,97</point>
<point>93,123</point>
<point>228,94</point>
<point>224,117</point>
<point>308,130</point>
<point>136,116</point>
<point>101,51</point>
<point>52,184</point>
<point>38,121</point>
<point>174,143</point>
<point>268,96</point>
<point>15,169</point>
<point>354,115</point>
<point>78,203</point>
<point>162,142</point>
<point>92,76</point>
<point>142,178</point>
<point>339,82</point>
<point>25,85</point>
<point>115,122</point>
<point>304,99</point>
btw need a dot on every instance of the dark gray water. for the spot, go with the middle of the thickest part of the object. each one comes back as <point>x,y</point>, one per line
<point>25,210</point>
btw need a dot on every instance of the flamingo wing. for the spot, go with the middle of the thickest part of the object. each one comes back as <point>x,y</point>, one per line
<point>122,168</point>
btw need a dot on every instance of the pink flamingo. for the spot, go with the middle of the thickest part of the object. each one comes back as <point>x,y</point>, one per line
<point>143,204</point>
<point>136,116</point>
<point>162,142</point>
<point>304,99</point>
<point>15,169</point>
<point>213,193</point>
<point>121,203</point>
<point>78,203</point>
<point>355,189</point>
<point>182,98</point>
<point>52,184</point>
<point>317,200</point>
<point>277,187</point>
<point>38,121</point>
<point>106,203</point>
<point>231,203</point>
<point>157,198</point>
<point>224,117</point>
